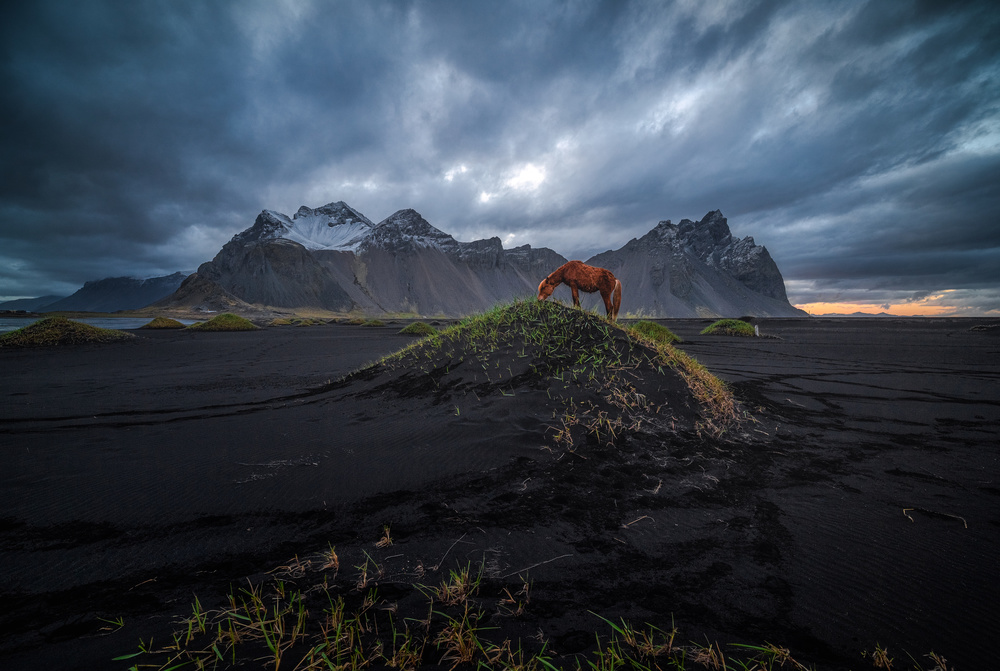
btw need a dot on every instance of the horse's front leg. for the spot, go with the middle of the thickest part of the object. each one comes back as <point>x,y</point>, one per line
<point>576,295</point>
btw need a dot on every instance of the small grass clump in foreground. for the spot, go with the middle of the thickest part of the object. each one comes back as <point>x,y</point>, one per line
<point>418,329</point>
<point>227,321</point>
<point>341,622</point>
<point>733,327</point>
<point>654,331</point>
<point>56,331</point>
<point>163,323</point>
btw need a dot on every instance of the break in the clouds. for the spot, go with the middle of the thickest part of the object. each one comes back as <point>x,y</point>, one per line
<point>858,141</point>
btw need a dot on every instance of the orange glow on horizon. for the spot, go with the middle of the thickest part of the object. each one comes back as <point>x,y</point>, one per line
<point>905,310</point>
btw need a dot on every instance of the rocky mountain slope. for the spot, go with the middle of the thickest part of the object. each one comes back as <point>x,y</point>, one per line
<point>697,269</point>
<point>117,293</point>
<point>334,258</point>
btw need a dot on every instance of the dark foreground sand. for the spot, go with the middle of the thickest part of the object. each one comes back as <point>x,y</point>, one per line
<point>136,476</point>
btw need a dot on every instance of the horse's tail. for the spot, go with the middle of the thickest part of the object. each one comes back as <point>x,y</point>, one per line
<point>616,300</point>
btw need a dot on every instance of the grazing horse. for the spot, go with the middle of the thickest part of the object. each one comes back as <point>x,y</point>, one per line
<point>581,277</point>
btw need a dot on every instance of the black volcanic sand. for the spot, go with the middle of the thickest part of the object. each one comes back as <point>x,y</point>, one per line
<point>861,505</point>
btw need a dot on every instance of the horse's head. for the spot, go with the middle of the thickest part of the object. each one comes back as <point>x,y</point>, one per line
<point>545,288</point>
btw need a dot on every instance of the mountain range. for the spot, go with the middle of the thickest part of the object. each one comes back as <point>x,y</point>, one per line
<point>697,269</point>
<point>29,304</point>
<point>108,295</point>
<point>336,259</point>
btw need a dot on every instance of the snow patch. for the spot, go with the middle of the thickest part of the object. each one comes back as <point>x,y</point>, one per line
<point>335,226</point>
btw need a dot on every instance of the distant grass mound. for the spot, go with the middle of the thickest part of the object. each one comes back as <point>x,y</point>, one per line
<point>355,321</point>
<point>732,327</point>
<point>986,328</point>
<point>418,329</point>
<point>373,322</point>
<point>298,321</point>
<point>227,321</point>
<point>163,323</point>
<point>601,380</point>
<point>57,331</point>
<point>654,332</point>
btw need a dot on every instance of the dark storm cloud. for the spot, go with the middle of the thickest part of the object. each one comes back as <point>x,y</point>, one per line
<point>860,142</point>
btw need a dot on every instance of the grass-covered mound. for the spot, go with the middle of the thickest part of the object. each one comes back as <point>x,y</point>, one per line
<point>163,323</point>
<point>418,329</point>
<point>373,322</point>
<point>732,327</point>
<point>227,321</point>
<point>55,331</point>
<point>655,332</point>
<point>601,380</point>
<point>597,387</point>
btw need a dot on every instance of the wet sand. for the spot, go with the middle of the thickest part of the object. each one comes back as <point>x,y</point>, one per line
<point>861,505</point>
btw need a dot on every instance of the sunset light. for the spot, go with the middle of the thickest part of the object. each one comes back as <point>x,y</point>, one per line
<point>945,303</point>
<point>903,310</point>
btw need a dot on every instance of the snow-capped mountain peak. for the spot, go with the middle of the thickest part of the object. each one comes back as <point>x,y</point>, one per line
<point>333,226</point>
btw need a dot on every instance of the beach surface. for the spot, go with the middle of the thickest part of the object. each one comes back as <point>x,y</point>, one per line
<point>857,504</point>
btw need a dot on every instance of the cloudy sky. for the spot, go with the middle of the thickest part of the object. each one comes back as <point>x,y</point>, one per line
<point>858,141</point>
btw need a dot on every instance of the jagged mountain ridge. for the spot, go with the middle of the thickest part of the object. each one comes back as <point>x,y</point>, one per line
<point>697,269</point>
<point>335,258</point>
<point>333,226</point>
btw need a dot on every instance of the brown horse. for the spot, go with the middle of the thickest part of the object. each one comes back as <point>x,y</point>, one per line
<point>578,276</point>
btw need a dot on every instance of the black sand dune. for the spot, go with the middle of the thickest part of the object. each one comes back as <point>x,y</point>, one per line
<point>861,506</point>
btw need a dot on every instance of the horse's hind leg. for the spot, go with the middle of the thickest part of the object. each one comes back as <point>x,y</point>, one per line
<point>609,308</point>
<point>616,299</point>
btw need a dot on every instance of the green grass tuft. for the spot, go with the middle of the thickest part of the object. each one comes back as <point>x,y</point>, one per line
<point>274,625</point>
<point>163,323</point>
<point>373,322</point>
<point>418,329</point>
<point>733,327</point>
<point>227,321</point>
<point>654,332</point>
<point>56,331</point>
